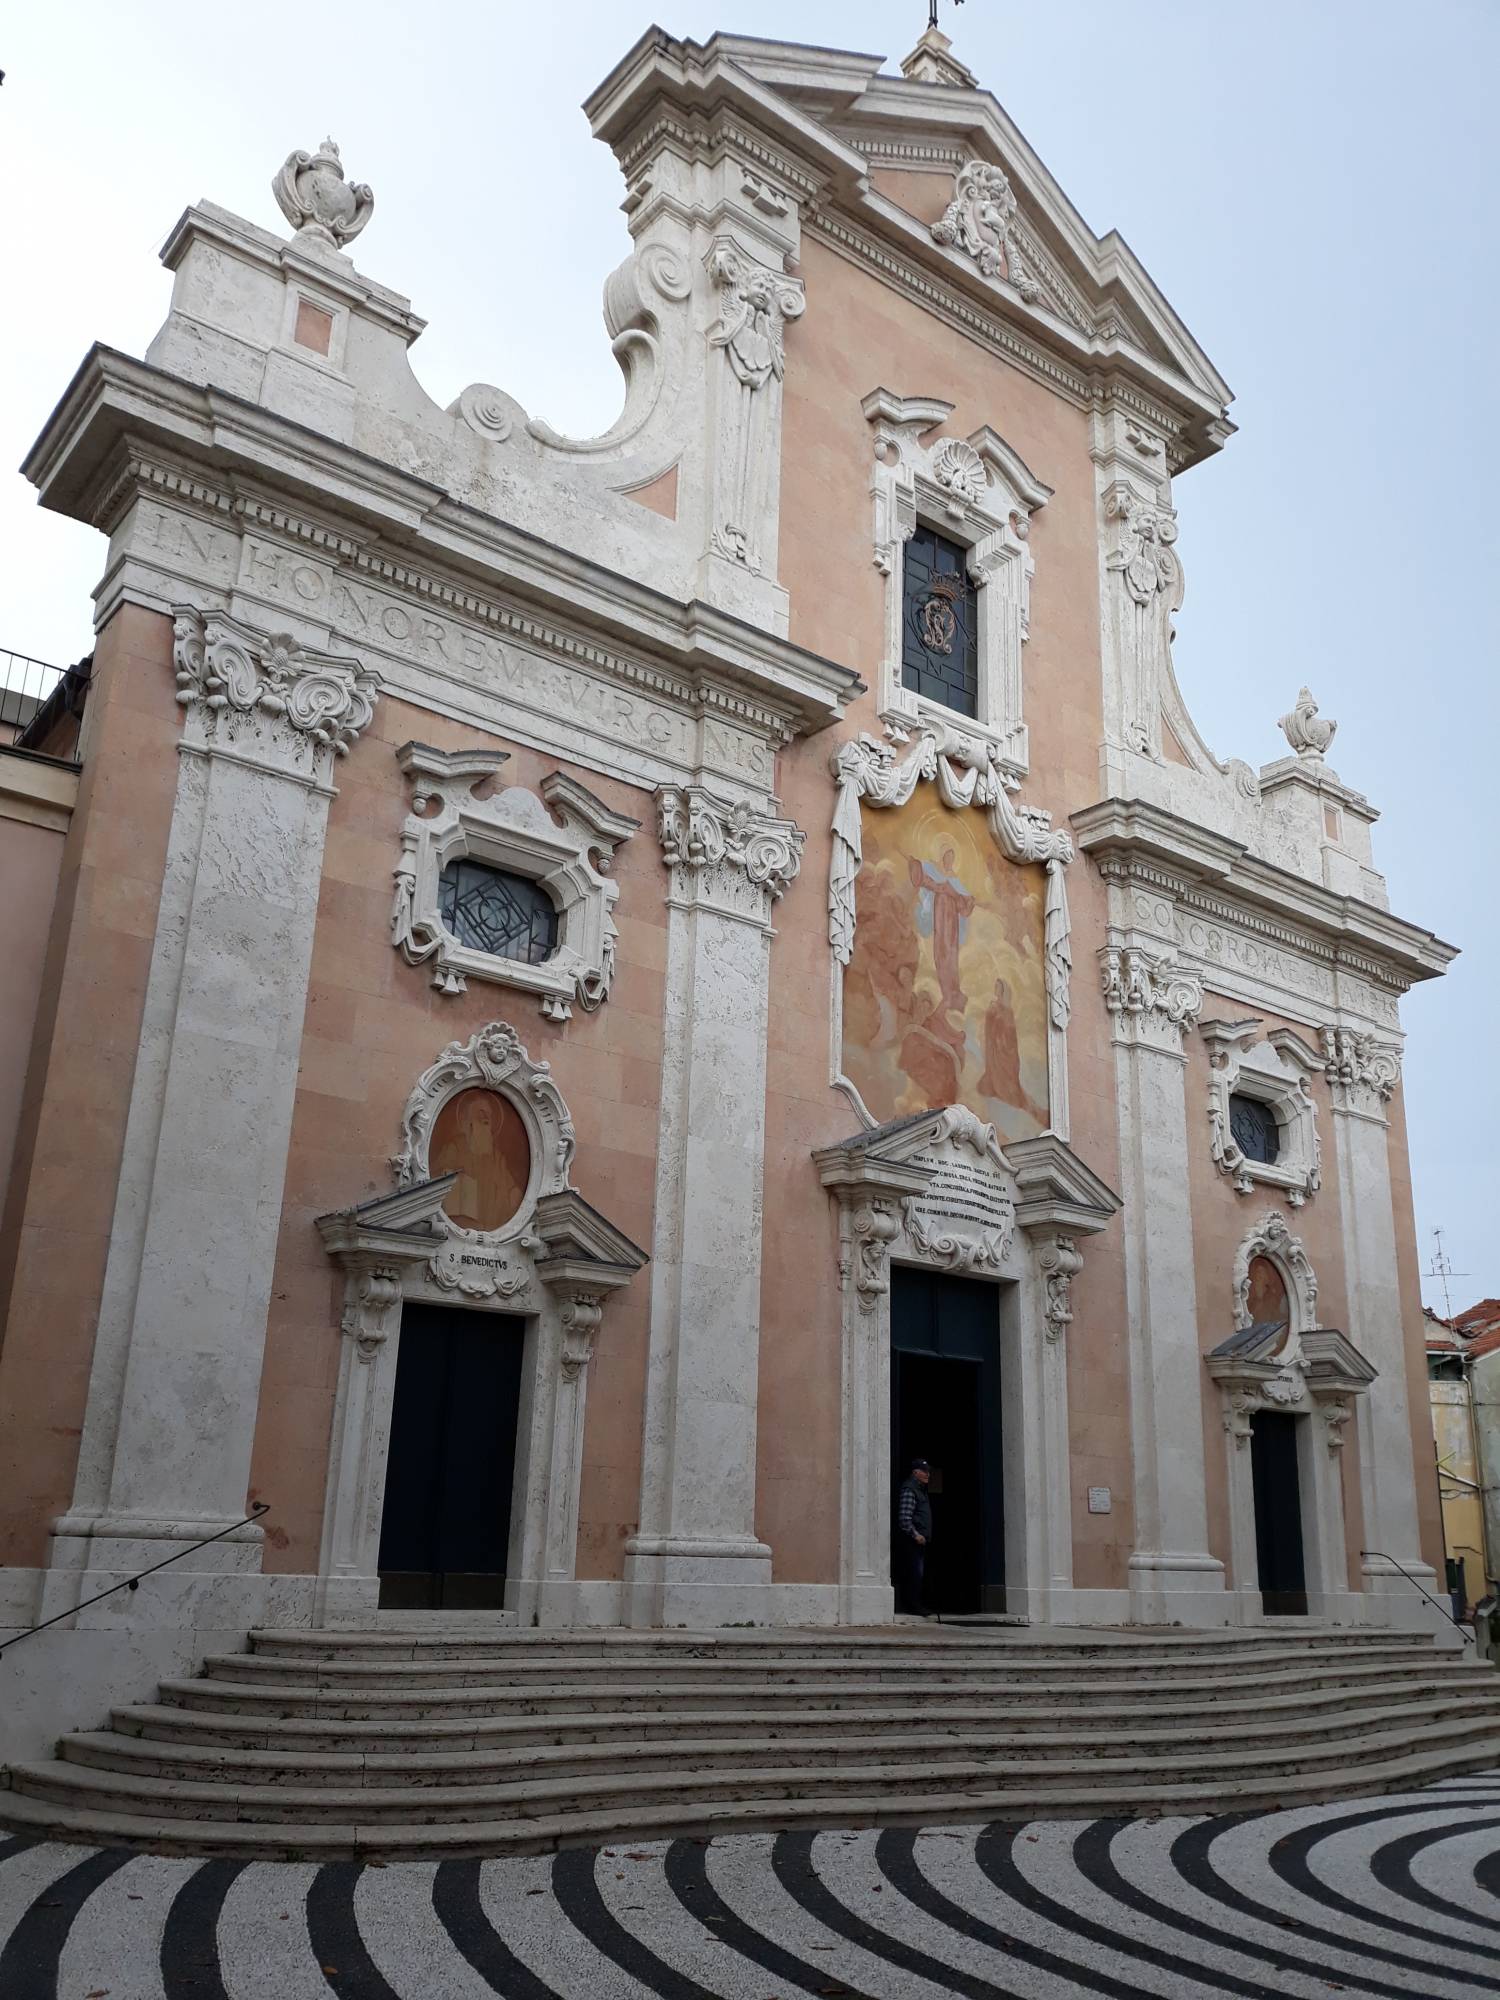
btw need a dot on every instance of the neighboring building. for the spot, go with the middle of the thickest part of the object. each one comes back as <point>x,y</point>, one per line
<point>767,840</point>
<point>1450,1389</point>
<point>1479,1330</point>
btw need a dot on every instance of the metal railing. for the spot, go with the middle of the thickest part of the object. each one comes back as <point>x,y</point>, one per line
<point>1417,1584</point>
<point>24,685</point>
<point>135,1582</point>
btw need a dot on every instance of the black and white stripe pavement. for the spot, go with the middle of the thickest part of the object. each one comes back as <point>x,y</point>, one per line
<point>1397,1897</point>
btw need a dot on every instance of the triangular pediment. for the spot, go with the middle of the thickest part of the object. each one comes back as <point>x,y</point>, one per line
<point>572,1229</point>
<point>890,152</point>
<point>1056,1189</point>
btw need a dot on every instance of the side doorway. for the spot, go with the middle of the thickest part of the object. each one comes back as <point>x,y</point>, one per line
<point>1280,1560</point>
<point>945,1407</point>
<point>445,1525</point>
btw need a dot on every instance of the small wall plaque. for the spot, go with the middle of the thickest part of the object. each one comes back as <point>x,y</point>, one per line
<point>1099,1500</point>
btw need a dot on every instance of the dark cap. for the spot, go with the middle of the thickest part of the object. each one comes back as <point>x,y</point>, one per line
<point>920,1465</point>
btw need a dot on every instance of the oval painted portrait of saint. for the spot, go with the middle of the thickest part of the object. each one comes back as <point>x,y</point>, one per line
<point>480,1136</point>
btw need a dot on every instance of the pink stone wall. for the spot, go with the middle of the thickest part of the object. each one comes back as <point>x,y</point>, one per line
<point>71,1128</point>
<point>31,860</point>
<point>373,1024</point>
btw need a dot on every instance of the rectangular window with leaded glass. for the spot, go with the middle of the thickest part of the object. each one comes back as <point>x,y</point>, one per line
<point>940,623</point>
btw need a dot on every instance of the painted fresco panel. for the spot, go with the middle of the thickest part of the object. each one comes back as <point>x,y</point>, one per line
<point>945,998</point>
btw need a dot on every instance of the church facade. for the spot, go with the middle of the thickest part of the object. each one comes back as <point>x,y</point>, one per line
<point>603,994</point>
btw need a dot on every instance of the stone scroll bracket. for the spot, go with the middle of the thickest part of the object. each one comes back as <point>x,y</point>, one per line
<point>964,768</point>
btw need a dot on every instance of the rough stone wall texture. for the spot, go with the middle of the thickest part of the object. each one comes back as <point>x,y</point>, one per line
<point>373,1024</point>
<point>55,1231</point>
<point>856,336</point>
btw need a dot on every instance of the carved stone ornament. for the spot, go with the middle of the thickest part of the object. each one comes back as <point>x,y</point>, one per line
<point>369,1298</point>
<point>727,852</point>
<point>1362,1069</point>
<point>1278,1072</point>
<point>1308,733</point>
<point>1150,992</point>
<point>981,219</point>
<point>564,841</point>
<point>980,493</point>
<point>581,1314</point>
<point>873,1225</point>
<point>965,1219</point>
<point>1149,578</point>
<point>245,685</point>
<point>493,1058</point>
<point>1273,1240</point>
<point>318,202</point>
<point>750,332</point>
<point>1059,1262</point>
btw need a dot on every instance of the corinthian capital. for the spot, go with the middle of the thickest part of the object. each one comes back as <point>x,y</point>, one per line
<point>264,691</point>
<point>726,853</point>
<point>1151,996</point>
<point>1362,1070</point>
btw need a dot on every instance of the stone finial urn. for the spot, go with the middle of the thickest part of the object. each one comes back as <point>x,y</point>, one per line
<point>319,203</point>
<point>1308,732</point>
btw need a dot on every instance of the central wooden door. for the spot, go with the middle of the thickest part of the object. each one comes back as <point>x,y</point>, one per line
<point>445,1529</point>
<point>1278,1513</point>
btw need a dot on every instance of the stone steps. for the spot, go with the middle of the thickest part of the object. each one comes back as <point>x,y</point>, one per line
<point>1321,1707</point>
<point>916,1746</point>
<point>545,1831</point>
<point>322,1744</point>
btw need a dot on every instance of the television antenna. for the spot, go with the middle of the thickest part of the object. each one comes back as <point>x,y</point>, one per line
<point>1442,1269</point>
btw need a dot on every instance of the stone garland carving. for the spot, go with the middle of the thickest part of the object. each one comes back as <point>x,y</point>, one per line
<point>1146,562</point>
<point>492,1058</point>
<point>232,673</point>
<point>1150,986</point>
<point>981,219</point>
<point>1059,1262</point>
<point>512,829</point>
<point>323,208</point>
<point>1273,1239</point>
<point>750,332</point>
<point>963,768</point>
<point>1308,733</point>
<point>709,841</point>
<point>1361,1065</point>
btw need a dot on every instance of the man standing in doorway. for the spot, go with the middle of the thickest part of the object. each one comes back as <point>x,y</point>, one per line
<point>913,1534</point>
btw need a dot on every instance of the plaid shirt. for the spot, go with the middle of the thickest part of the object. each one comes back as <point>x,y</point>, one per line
<point>914,1511</point>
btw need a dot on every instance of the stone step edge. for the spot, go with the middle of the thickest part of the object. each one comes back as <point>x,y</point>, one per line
<point>990,1660</point>
<point>87,1747</point>
<point>839,1638</point>
<point>57,1774</point>
<point>264,1841</point>
<point>206,1722</point>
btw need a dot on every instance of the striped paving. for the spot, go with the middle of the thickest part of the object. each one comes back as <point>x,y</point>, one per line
<point>1397,1897</point>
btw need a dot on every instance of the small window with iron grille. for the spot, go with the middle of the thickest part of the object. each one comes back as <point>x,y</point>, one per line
<point>940,623</point>
<point>491,910</point>
<point>1255,1128</point>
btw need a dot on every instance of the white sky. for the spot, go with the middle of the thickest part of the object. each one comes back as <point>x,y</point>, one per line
<point>1311,182</point>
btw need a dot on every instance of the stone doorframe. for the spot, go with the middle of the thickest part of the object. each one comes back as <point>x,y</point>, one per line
<point>554,1264</point>
<point>1304,1370</point>
<point>938,1191</point>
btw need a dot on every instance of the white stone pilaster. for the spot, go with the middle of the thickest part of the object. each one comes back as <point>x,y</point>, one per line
<point>170,1419</point>
<point>696,1558</point>
<point>1363,1072</point>
<point>1153,1001</point>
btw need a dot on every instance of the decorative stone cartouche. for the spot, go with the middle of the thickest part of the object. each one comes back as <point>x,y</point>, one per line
<point>319,203</point>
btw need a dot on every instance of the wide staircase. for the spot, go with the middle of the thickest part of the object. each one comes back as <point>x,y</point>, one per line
<point>316,1745</point>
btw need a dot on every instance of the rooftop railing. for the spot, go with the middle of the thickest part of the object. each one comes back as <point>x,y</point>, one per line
<point>24,686</point>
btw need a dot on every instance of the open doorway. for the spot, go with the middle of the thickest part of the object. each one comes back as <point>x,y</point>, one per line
<point>945,1407</point>
<point>445,1527</point>
<point>1280,1563</point>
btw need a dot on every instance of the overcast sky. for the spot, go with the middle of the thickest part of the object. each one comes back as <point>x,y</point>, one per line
<point>1311,182</point>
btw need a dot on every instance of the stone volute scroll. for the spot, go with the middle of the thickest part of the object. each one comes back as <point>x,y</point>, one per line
<point>563,841</point>
<point>325,210</point>
<point>726,853</point>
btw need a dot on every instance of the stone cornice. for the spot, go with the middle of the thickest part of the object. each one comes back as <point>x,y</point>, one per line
<point>1131,840</point>
<point>122,423</point>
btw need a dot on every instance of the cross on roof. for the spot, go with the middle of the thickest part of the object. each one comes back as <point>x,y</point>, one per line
<point>932,11</point>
